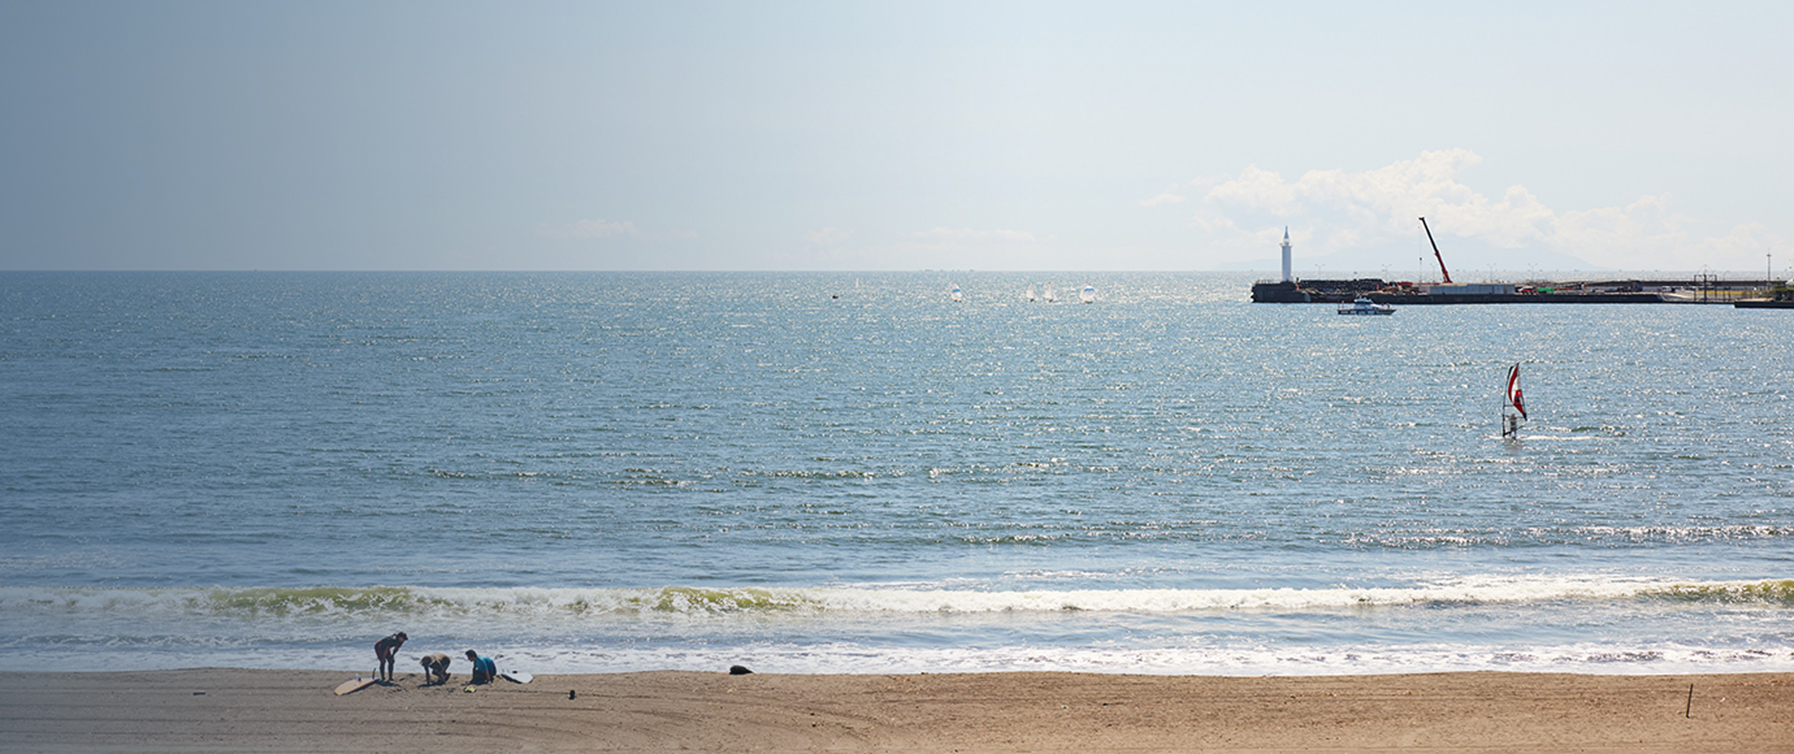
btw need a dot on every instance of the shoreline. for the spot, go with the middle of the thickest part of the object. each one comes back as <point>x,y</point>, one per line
<point>224,709</point>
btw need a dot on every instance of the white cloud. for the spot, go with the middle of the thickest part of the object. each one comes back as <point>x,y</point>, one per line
<point>1339,211</point>
<point>1163,198</point>
<point>602,228</point>
<point>829,236</point>
<point>945,247</point>
<point>1649,234</point>
<point>970,234</point>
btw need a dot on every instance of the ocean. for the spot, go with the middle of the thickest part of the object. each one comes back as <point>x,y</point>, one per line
<point>851,473</point>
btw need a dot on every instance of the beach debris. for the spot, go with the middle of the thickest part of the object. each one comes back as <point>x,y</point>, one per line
<point>739,670</point>
<point>571,694</point>
<point>1689,710</point>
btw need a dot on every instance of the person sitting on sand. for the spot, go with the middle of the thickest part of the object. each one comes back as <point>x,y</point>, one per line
<point>386,651</point>
<point>484,670</point>
<point>436,665</point>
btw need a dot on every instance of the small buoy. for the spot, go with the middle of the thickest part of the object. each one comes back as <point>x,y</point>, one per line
<point>738,670</point>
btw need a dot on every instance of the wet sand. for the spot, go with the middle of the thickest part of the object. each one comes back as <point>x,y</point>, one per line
<point>215,709</point>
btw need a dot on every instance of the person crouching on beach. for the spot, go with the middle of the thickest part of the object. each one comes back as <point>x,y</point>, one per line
<point>436,665</point>
<point>484,670</point>
<point>386,651</point>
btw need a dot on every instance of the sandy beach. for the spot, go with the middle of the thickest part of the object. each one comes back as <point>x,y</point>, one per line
<point>218,709</point>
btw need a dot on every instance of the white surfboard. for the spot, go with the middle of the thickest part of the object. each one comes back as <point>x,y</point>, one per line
<point>355,684</point>
<point>516,676</point>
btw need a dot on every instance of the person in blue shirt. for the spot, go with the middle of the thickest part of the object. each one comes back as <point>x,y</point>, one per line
<point>484,670</point>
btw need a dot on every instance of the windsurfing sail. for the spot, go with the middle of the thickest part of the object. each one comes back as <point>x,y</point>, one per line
<point>1513,391</point>
<point>1031,295</point>
<point>956,295</point>
<point>1088,295</point>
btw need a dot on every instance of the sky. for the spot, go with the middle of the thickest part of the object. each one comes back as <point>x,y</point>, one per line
<point>443,135</point>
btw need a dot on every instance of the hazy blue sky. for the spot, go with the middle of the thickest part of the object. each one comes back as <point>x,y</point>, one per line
<point>908,135</point>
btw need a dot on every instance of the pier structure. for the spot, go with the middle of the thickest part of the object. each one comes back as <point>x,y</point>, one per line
<point>1705,288</point>
<point>1701,289</point>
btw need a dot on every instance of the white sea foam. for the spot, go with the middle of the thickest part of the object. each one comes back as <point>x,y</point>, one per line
<point>849,657</point>
<point>416,602</point>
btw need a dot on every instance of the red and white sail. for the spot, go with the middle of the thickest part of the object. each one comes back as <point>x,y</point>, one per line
<point>1513,391</point>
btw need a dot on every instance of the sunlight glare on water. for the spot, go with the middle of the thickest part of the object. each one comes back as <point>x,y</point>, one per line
<point>1166,480</point>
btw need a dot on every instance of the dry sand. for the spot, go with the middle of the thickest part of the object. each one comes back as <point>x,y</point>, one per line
<point>216,709</point>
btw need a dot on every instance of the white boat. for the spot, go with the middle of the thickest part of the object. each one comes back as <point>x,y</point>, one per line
<point>1031,295</point>
<point>956,295</point>
<point>1088,295</point>
<point>1365,306</point>
<point>1050,296</point>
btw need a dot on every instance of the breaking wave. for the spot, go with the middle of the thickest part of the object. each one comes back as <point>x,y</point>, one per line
<point>413,601</point>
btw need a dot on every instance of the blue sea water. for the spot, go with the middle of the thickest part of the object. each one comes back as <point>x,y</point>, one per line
<point>851,473</point>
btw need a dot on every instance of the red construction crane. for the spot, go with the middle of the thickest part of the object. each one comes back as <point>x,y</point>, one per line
<point>1429,239</point>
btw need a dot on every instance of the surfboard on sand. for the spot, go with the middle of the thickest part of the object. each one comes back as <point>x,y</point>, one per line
<point>516,676</point>
<point>355,684</point>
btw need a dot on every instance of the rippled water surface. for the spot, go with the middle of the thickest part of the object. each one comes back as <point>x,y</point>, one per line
<point>852,472</point>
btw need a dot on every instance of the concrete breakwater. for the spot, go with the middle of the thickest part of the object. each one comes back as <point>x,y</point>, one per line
<point>1693,291</point>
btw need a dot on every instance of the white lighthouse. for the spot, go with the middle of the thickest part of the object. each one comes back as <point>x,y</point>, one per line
<point>1286,277</point>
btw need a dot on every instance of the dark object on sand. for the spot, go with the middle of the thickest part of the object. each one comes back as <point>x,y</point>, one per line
<point>738,670</point>
<point>572,694</point>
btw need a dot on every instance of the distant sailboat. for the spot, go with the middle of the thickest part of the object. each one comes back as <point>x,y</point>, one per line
<point>1510,420</point>
<point>1088,295</point>
<point>1031,292</point>
<point>956,295</point>
<point>1050,295</point>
